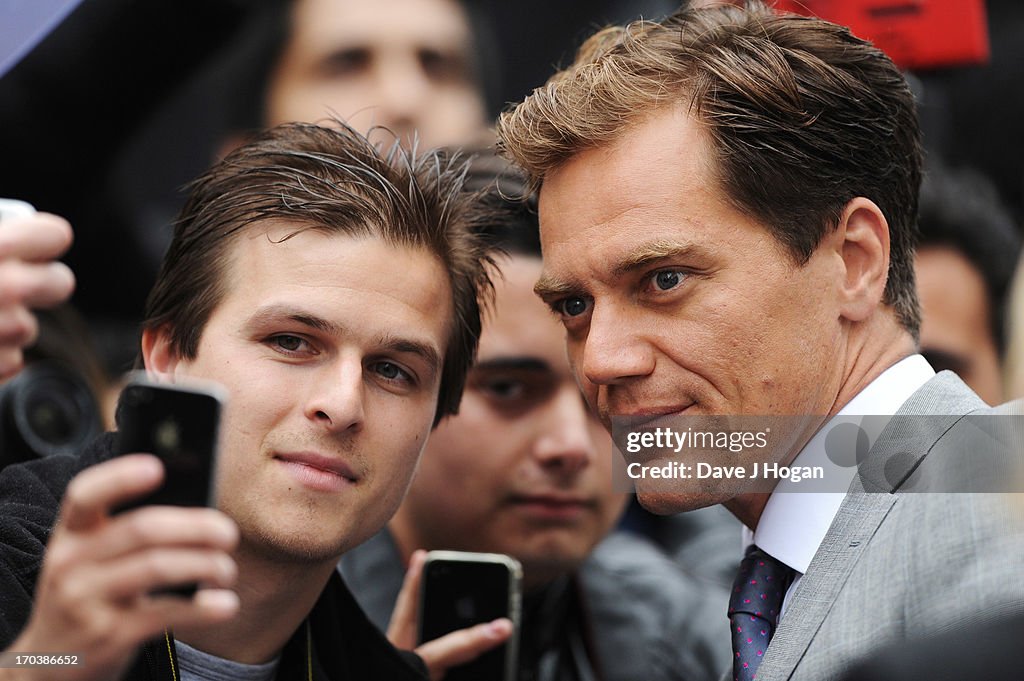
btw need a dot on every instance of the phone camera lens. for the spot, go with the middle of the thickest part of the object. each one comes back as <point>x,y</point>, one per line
<point>167,436</point>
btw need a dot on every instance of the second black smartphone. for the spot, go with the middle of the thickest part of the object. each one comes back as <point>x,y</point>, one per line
<point>460,589</point>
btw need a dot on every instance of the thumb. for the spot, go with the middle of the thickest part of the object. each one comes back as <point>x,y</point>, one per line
<point>402,627</point>
<point>462,646</point>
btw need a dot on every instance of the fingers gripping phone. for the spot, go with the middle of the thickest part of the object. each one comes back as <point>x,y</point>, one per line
<point>178,424</point>
<point>460,589</point>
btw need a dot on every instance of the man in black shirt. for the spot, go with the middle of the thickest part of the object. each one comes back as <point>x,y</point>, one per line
<point>332,291</point>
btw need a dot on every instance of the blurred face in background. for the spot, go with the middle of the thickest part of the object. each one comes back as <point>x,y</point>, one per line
<point>407,65</point>
<point>523,469</point>
<point>956,319</point>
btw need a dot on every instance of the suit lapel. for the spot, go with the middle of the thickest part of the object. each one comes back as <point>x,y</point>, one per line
<point>859,517</point>
<point>856,522</point>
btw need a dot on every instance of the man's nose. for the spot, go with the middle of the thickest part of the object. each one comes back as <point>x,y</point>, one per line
<point>402,92</point>
<point>566,442</point>
<point>614,350</point>
<point>336,395</point>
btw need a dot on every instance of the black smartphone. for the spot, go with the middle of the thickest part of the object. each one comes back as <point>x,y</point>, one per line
<point>460,589</point>
<point>180,425</point>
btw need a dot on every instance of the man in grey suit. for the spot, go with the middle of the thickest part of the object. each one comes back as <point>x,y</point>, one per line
<point>728,203</point>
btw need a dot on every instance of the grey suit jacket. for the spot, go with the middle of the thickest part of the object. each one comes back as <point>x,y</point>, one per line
<point>901,565</point>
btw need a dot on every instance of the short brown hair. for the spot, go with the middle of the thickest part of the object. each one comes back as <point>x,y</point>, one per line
<point>803,117</point>
<point>334,180</point>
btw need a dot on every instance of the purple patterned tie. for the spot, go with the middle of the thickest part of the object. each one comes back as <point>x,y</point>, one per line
<point>754,609</point>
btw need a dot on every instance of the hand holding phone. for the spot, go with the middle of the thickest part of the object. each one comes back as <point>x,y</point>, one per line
<point>113,578</point>
<point>98,594</point>
<point>451,650</point>
<point>459,590</point>
<point>179,425</point>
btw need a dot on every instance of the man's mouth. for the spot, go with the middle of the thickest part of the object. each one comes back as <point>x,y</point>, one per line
<point>552,506</point>
<point>639,417</point>
<point>320,472</point>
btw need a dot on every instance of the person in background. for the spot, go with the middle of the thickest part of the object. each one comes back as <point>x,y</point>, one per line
<point>1013,377</point>
<point>963,265</point>
<point>524,469</point>
<point>408,66</point>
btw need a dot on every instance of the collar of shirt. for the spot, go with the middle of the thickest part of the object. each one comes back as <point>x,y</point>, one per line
<point>793,523</point>
<point>196,665</point>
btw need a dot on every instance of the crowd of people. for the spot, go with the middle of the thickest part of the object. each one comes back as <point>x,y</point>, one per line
<point>433,335</point>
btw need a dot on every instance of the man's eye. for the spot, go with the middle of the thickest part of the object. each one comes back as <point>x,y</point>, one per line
<point>444,67</point>
<point>346,63</point>
<point>289,343</point>
<point>504,389</point>
<point>572,307</point>
<point>391,372</point>
<point>666,280</point>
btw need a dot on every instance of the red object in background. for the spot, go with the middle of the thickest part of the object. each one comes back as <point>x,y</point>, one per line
<point>916,34</point>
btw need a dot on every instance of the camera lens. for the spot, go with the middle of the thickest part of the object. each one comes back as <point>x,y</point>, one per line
<point>47,410</point>
<point>53,417</point>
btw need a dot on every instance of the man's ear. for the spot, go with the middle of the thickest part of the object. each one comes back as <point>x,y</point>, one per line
<point>160,360</point>
<point>864,248</point>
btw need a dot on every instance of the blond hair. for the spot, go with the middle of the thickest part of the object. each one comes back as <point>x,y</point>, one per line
<point>802,115</point>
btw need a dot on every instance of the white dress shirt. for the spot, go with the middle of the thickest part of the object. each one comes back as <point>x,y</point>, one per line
<point>793,524</point>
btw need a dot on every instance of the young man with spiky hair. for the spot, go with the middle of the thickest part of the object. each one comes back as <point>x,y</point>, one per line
<point>333,292</point>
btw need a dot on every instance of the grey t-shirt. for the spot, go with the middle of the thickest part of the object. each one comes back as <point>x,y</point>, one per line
<point>195,665</point>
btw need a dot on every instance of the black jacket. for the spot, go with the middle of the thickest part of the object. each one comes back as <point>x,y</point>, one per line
<point>343,642</point>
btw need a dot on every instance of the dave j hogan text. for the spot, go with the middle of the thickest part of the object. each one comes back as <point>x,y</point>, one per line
<point>705,471</point>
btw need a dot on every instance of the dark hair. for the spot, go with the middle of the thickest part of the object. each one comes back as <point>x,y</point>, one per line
<point>249,60</point>
<point>501,189</point>
<point>803,117</point>
<point>961,208</point>
<point>329,179</point>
